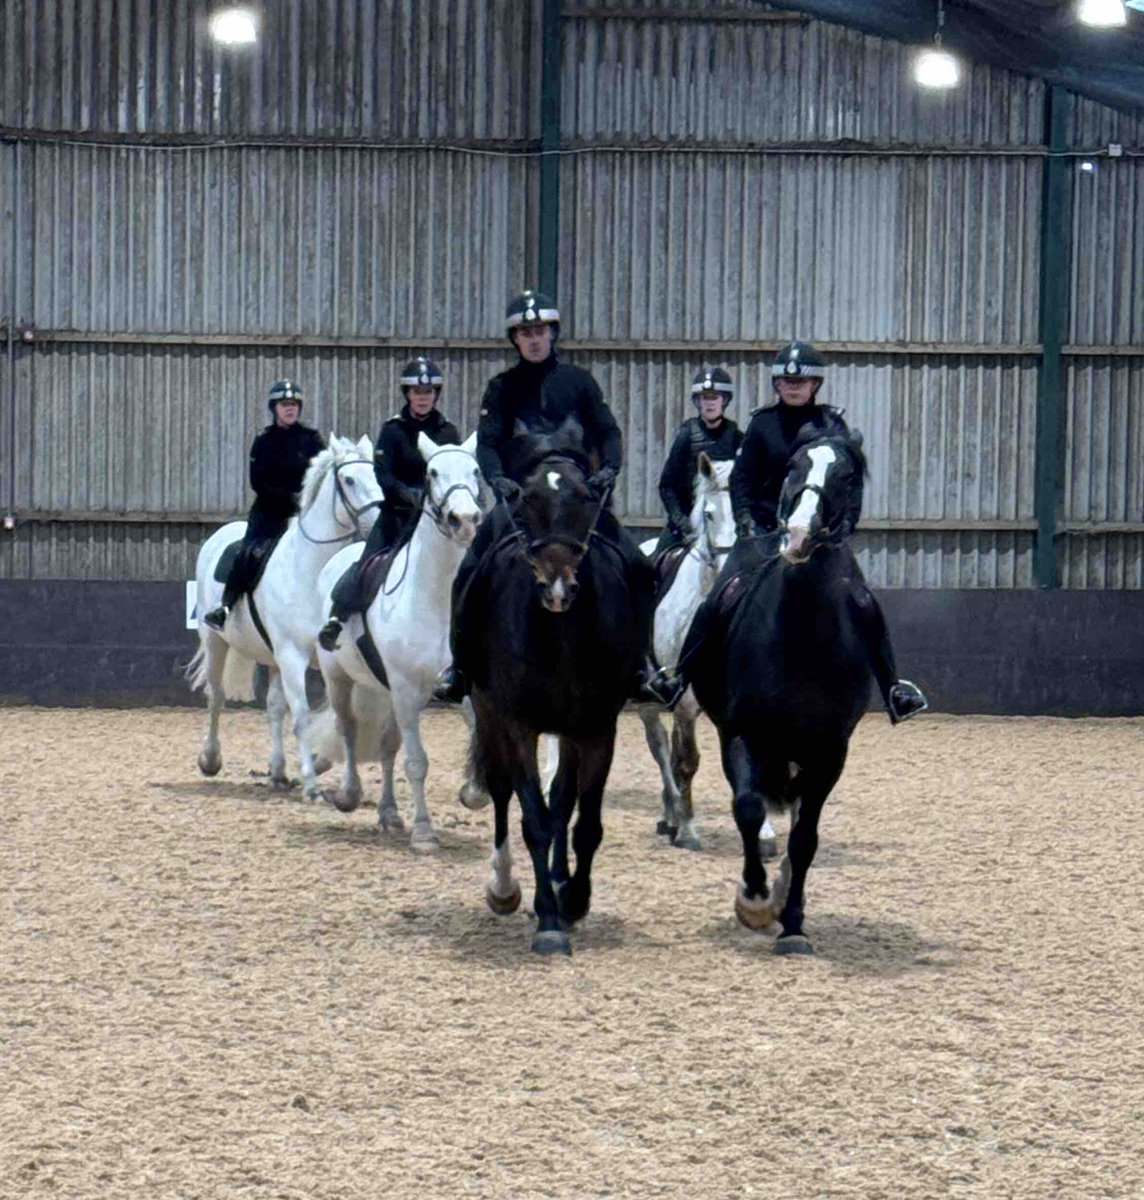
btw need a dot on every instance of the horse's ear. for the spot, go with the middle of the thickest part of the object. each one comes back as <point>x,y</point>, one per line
<point>427,446</point>
<point>705,467</point>
<point>365,447</point>
<point>334,442</point>
<point>469,445</point>
<point>856,439</point>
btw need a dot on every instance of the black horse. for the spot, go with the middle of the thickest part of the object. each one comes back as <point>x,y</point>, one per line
<point>786,678</point>
<point>558,653</point>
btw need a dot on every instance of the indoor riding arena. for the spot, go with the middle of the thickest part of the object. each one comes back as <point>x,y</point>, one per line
<point>214,982</point>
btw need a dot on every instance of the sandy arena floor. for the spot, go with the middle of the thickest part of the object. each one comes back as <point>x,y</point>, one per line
<point>211,990</point>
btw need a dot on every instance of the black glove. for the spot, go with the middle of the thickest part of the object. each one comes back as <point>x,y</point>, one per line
<point>602,480</point>
<point>684,530</point>
<point>507,489</point>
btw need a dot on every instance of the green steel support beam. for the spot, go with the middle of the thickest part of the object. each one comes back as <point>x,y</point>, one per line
<point>550,147</point>
<point>1048,481</point>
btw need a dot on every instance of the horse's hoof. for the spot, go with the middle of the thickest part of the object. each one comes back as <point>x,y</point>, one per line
<point>322,764</point>
<point>390,821</point>
<point>551,941</point>
<point>281,783</point>
<point>346,801</point>
<point>210,764</point>
<point>687,839</point>
<point>314,795</point>
<point>503,905</point>
<point>424,839</point>
<point>768,847</point>
<point>472,798</point>
<point>754,914</point>
<point>793,943</point>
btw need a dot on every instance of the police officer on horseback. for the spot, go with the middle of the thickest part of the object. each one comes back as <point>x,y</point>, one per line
<point>710,432</point>
<point>279,458</point>
<point>400,470</point>
<point>540,395</point>
<point>797,376</point>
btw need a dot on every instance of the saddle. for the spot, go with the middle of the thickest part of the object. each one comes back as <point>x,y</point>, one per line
<point>666,564</point>
<point>249,558</point>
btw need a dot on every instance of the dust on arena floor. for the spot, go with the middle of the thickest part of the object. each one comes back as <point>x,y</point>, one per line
<point>210,989</point>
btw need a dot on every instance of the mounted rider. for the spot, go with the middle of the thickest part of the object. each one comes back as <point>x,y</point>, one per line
<point>760,469</point>
<point>540,395</point>
<point>400,470</point>
<point>279,457</point>
<point>710,432</point>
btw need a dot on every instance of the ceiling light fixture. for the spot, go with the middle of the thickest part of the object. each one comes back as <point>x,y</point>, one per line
<point>234,27</point>
<point>1102,14</point>
<point>935,67</point>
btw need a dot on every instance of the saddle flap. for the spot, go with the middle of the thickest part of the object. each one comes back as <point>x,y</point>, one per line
<point>667,563</point>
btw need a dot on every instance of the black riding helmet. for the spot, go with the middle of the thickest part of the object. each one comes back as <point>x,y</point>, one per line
<point>712,379</point>
<point>532,308</point>
<point>283,389</point>
<point>798,360</point>
<point>421,372</point>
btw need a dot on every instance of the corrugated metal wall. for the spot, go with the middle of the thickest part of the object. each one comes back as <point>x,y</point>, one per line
<point>730,180</point>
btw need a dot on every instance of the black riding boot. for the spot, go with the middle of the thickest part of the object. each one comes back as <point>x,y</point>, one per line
<point>902,698</point>
<point>231,594</point>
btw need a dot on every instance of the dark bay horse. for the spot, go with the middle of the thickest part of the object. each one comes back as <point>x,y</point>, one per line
<point>786,679</point>
<point>558,653</point>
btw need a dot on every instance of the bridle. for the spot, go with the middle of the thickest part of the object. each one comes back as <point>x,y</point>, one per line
<point>355,511</point>
<point>710,552</point>
<point>436,508</point>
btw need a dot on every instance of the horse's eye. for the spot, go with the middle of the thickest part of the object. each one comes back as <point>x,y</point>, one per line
<point>351,483</point>
<point>432,472</point>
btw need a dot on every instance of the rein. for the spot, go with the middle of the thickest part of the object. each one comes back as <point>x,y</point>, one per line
<point>355,513</point>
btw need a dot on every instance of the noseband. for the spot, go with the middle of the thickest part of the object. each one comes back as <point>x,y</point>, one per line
<point>354,511</point>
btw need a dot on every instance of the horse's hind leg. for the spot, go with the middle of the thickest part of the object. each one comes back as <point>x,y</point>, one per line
<point>502,892</point>
<point>595,762</point>
<point>684,765</point>
<point>276,709</point>
<point>562,795</point>
<point>752,900</point>
<point>473,794</point>
<point>215,651</point>
<point>388,818</point>
<point>660,747</point>
<point>340,690</point>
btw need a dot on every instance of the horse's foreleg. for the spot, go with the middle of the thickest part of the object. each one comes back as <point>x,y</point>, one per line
<point>215,649</point>
<point>562,795</point>
<point>387,815</point>
<point>502,892</point>
<point>595,761</point>
<point>408,711</point>
<point>815,784</point>
<point>684,765</point>
<point>276,709</point>
<point>537,826</point>
<point>660,747</point>
<point>292,667</point>
<point>753,906</point>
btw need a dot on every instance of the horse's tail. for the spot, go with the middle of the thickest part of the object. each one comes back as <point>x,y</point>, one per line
<point>371,715</point>
<point>237,675</point>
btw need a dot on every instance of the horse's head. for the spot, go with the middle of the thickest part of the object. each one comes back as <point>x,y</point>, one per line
<point>340,493</point>
<point>455,496</point>
<point>821,499</point>
<point>712,516</point>
<point>558,512</point>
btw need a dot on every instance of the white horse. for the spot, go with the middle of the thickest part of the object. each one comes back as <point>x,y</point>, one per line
<point>340,499</point>
<point>408,622</point>
<point>713,521</point>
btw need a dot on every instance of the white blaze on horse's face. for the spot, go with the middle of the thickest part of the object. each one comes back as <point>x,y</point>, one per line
<point>452,487</point>
<point>554,480</point>
<point>794,544</point>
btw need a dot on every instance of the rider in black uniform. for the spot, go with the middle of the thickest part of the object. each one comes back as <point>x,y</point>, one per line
<point>756,486</point>
<point>711,433</point>
<point>278,461</point>
<point>541,395</point>
<point>400,472</point>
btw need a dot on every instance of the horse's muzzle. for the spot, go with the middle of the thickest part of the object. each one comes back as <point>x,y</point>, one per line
<point>463,527</point>
<point>796,545</point>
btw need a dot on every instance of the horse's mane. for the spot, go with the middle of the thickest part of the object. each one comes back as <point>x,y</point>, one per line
<point>837,433</point>
<point>320,466</point>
